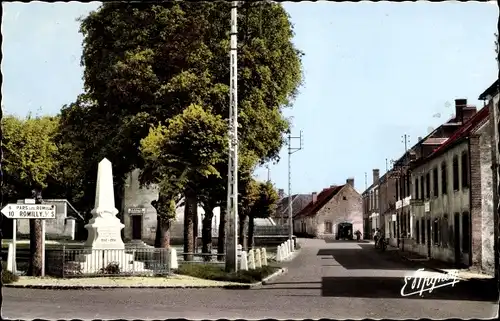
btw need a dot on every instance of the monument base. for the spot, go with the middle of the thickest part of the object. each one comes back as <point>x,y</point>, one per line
<point>105,234</point>
<point>106,261</point>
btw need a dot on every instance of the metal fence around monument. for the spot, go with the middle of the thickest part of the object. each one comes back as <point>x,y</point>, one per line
<point>71,262</point>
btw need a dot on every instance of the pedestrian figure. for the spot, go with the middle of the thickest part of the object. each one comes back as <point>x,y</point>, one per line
<point>358,235</point>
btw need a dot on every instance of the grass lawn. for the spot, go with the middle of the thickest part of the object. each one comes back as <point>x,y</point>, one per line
<point>217,273</point>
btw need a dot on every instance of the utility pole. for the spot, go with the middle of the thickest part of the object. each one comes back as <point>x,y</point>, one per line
<point>232,189</point>
<point>366,181</point>
<point>291,150</point>
<point>268,173</point>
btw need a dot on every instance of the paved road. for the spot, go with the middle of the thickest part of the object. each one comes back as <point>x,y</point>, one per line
<point>327,280</point>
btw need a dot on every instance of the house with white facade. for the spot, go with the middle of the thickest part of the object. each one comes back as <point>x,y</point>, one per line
<point>452,199</point>
<point>139,215</point>
<point>335,212</point>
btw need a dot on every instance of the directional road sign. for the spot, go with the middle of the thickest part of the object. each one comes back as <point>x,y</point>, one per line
<point>29,211</point>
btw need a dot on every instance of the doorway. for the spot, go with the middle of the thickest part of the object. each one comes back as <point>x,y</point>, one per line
<point>456,237</point>
<point>137,227</point>
<point>429,237</point>
<point>344,231</point>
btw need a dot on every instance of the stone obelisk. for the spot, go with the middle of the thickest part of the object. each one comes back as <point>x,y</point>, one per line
<point>104,228</point>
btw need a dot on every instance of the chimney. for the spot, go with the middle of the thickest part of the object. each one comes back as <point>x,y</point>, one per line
<point>350,181</point>
<point>281,193</point>
<point>314,197</point>
<point>460,104</point>
<point>419,138</point>
<point>376,175</point>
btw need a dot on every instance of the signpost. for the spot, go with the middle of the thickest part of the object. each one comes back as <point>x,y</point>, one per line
<point>29,211</point>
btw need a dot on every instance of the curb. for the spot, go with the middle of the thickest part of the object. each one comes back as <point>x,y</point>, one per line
<point>103,287</point>
<point>269,278</point>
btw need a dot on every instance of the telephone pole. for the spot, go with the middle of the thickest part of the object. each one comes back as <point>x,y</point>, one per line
<point>291,150</point>
<point>232,188</point>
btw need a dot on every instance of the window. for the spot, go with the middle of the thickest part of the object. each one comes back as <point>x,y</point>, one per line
<point>465,169</point>
<point>465,233</point>
<point>394,229</point>
<point>418,231</point>
<point>428,185</point>
<point>328,227</point>
<point>435,231</point>
<point>397,190</point>
<point>435,185</point>
<point>376,198</point>
<point>408,185</point>
<point>444,231</point>
<point>417,191</point>
<point>423,231</point>
<point>422,187</point>
<point>444,178</point>
<point>456,186</point>
<point>401,187</point>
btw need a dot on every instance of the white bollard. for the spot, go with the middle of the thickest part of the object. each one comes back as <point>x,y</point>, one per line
<point>243,261</point>
<point>10,259</point>
<point>263,255</point>
<point>286,249</point>
<point>251,260</point>
<point>258,260</point>
<point>172,257</point>
<point>288,246</point>
<point>279,256</point>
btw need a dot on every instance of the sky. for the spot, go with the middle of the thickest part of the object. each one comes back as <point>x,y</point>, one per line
<point>372,73</point>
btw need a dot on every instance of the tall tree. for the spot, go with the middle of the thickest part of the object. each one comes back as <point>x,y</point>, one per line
<point>144,64</point>
<point>31,160</point>
<point>186,146</point>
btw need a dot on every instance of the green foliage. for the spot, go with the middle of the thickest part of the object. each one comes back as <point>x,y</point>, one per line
<point>145,64</point>
<point>183,151</point>
<point>7,276</point>
<point>218,273</point>
<point>31,154</point>
<point>260,199</point>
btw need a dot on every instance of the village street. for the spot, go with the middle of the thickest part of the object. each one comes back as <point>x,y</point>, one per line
<point>326,280</point>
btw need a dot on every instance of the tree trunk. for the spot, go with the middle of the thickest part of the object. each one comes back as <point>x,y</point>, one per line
<point>190,211</point>
<point>195,232</point>
<point>164,228</point>
<point>221,242</point>
<point>35,266</point>
<point>243,232</point>
<point>206,233</point>
<point>250,232</point>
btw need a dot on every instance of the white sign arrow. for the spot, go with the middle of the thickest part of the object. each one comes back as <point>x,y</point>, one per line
<point>29,211</point>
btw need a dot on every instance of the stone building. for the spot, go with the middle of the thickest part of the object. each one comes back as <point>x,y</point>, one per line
<point>400,226</point>
<point>140,217</point>
<point>452,195</point>
<point>299,201</point>
<point>335,212</point>
<point>491,98</point>
<point>370,198</point>
<point>387,203</point>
